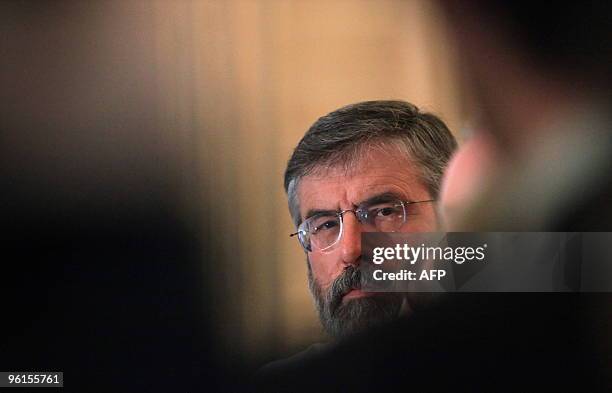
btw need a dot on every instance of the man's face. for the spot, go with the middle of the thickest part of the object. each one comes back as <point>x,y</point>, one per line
<point>334,282</point>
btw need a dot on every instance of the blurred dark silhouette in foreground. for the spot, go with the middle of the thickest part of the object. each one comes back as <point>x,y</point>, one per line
<point>102,272</point>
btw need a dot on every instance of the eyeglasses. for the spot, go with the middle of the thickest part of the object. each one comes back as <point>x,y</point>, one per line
<point>324,230</point>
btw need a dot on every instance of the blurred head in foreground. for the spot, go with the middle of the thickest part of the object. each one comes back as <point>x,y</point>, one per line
<point>371,166</point>
<point>541,159</point>
<point>541,82</point>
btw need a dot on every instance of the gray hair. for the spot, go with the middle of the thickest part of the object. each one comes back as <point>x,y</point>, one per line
<point>340,138</point>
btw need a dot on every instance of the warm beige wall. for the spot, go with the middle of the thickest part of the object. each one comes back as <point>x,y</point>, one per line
<point>241,82</point>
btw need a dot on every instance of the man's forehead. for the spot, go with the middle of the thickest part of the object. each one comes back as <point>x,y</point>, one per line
<point>354,188</point>
<point>328,187</point>
<point>377,159</point>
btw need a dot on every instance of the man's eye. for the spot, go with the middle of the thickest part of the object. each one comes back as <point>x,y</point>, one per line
<point>385,211</point>
<point>327,225</point>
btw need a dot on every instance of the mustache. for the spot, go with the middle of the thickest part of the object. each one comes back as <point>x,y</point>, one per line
<point>348,280</point>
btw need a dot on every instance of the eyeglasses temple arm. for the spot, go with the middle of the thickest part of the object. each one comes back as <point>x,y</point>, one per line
<point>413,202</point>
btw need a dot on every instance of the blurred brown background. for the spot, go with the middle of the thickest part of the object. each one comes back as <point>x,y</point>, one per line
<point>253,76</point>
<point>222,91</point>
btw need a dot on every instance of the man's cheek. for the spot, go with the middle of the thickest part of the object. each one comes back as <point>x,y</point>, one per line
<point>324,270</point>
<point>427,222</point>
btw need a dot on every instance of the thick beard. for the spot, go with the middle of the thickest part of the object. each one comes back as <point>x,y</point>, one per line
<point>341,320</point>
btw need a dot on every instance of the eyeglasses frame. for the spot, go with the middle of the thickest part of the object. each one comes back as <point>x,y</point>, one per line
<point>357,212</point>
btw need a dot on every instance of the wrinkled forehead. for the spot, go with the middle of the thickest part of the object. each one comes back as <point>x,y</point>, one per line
<point>366,156</point>
<point>373,173</point>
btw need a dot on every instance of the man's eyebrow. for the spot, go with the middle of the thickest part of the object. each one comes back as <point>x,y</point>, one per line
<point>319,212</point>
<point>379,198</point>
<point>382,198</point>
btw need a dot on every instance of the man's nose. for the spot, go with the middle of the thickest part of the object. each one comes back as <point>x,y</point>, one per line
<point>350,243</point>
